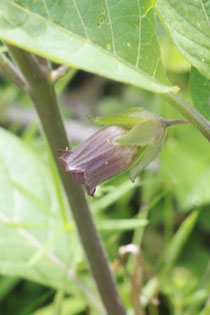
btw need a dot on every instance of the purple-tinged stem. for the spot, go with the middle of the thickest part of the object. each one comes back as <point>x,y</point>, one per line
<point>172,122</point>
<point>42,93</point>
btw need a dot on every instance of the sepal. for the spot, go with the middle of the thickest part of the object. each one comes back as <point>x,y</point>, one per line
<point>146,156</point>
<point>143,133</point>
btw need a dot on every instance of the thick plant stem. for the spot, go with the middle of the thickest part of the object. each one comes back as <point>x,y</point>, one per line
<point>43,96</point>
<point>189,113</point>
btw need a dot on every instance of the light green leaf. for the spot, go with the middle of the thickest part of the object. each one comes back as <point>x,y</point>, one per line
<point>149,290</point>
<point>189,25</point>
<point>115,39</point>
<point>121,224</point>
<point>3,49</point>
<point>74,304</point>
<point>179,240</point>
<point>200,91</point>
<point>45,254</point>
<point>113,196</point>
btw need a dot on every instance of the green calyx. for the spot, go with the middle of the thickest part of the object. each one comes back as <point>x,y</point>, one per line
<point>145,130</point>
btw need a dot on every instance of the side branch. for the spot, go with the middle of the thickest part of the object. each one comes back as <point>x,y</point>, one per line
<point>12,73</point>
<point>59,73</point>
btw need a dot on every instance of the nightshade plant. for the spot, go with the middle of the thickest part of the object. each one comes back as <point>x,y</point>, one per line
<point>116,40</point>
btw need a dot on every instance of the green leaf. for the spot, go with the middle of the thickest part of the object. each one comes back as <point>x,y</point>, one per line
<point>121,224</point>
<point>3,49</point>
<point>179,240</point>
<point>189,26</point>
<point>7,285</point>
<point>149,290</point>
<point>114,195</point>
<point>73,304</point>
<point>200,91</point>
<point>49,253</point>
<point>115,39</point>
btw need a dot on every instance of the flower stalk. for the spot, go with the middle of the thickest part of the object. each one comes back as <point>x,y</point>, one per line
<point>172,122</point>
<point>189,112</point>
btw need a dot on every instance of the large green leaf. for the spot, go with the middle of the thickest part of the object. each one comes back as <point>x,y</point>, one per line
<point>189,25</point>
<point>115,39</point>
<point>200,91</point>
<point>34,242</point>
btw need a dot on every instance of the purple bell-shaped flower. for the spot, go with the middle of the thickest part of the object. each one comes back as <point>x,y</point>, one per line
<point>98,158</point>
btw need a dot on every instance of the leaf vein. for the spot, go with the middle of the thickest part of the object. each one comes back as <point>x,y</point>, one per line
<point>111,27</point>
<point>139,43</point>
<point>81,19</point>
<point>204,11</point>
<point>46,9</point>
<point>187,21</point>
